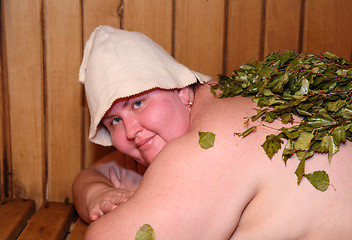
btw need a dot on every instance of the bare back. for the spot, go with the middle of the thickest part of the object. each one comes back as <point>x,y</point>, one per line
<point>280,209</point>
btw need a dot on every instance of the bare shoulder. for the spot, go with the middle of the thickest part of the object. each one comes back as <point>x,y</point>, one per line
<point>189,192</point>
<point>210,111</point>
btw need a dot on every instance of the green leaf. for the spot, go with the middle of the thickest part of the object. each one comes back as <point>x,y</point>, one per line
<point>280,83</point>
<point>303,141</point>
<point>328,143</point>
<point>320,147</point>
<point>303,113</point>
<point>270,116</point>
<point>206,139</point>
<point>303,155</point>
<point>300,171</point>
<point>286,117</point>
<point>248,131</point>
<point>286,56</point>
<point>336,106</point>
<point>304,88</point>
<point>342,72</point>
<point>320,120</point>
<point>291,132</point>
<point>339,135</point>
<point>288,150</point>
<point>146,232</point>
<point>272,145</point>
<point>259,114</point>
<point>346,113</point>
<point>330,56</point>
<point>319,179</point>
<point>305,106</point>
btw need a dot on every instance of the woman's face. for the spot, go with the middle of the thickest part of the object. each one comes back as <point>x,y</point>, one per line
<point>141,125</point>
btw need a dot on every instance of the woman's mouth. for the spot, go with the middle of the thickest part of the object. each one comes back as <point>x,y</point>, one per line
<point>145,143</point>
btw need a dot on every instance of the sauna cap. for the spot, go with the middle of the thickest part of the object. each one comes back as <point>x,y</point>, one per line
<point>117,64</point>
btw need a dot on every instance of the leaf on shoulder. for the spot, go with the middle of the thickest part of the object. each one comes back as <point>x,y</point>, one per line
<point>145,232</point>
<point>206,139</point>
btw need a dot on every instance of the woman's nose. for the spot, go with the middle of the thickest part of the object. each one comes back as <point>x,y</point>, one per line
<point>132,128</point>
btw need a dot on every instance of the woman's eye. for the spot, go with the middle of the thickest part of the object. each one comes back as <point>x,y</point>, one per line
<point>115,121</point>
<point>137,104</point>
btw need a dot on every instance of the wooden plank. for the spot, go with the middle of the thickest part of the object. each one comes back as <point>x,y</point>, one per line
<point>152,17</point>
<point>244,42</point>
<point>63,53</point>
<point>78,230</point>
<point>95,13</point>
<point>199,35</point>
<point>100,12</point>
<point>2,117</point>
<point>328,27</point>
<point>14,215</point>
<point>51,221</point>
<point>282,25</point>
<point>24,61</point>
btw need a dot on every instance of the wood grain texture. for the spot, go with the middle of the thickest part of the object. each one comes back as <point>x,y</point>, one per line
<point>328,27</point>
<point>199,35</point>
<point>24,61</point>
<point>2,122</point>
<point>244,42</point>
<point>64,112</point>
<point>152,17</point>
<point>100,12</point>
<point>78,230</point>
<point>282,25</point>
<point>51,221</point>
<point>14,215</point>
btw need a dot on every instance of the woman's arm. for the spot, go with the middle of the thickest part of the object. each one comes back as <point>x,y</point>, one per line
<point>105,185</point>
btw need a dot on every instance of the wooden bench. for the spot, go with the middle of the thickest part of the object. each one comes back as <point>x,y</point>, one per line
<point>19,220</point>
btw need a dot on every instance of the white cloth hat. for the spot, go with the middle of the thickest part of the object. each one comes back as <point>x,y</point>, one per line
<point>117,64</point>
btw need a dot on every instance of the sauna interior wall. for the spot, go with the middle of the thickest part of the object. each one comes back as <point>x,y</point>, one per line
<point>43,114</point>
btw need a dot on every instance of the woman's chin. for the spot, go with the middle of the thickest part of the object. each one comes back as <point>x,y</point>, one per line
<point>148,158</point>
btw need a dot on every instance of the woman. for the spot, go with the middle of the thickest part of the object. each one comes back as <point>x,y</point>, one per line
<point>139,99</point>
<point>139,102</point>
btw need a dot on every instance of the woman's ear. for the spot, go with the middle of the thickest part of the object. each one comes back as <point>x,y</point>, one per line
<point>186,95</point>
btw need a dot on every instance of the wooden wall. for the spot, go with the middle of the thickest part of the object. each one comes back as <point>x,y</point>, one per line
<point>43,115</point>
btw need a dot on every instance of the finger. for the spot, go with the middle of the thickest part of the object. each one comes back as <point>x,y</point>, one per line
<point>120,200</point>
<point>113,177</point>
<point>95,214</point>
<point>124,198</point>
<point>108,206</point>
<point>94,217</point>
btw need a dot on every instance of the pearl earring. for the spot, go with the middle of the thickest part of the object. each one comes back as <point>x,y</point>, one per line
<point>189,104</point>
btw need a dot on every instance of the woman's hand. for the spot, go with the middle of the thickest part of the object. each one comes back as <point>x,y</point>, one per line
<point>107,197</point>
<point>108,183</point>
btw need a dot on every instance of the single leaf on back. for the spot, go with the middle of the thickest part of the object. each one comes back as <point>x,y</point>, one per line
<point>145,232</point>
<point>206,139</point>
<point>319,179</point>
<point>272,145</point>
